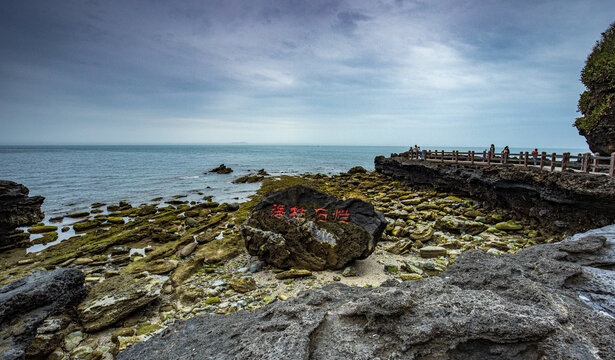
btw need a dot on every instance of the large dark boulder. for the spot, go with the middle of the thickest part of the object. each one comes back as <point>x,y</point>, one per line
<point>26,302</point>
<point>304,228</point>
<point>17,209</point>
<point>521,306</point>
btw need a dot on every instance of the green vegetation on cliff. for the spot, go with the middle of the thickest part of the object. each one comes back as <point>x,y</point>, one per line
<point>598,75</point>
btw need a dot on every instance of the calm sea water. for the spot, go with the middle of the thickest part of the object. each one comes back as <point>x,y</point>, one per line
<point>73,177</point>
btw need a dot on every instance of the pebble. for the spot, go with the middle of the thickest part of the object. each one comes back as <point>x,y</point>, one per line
<point>218,283</point>
<point>256,266</point>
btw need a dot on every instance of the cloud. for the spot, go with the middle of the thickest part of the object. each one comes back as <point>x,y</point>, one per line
<point>376,71</point>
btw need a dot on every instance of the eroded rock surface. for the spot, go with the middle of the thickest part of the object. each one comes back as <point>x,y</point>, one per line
<point>517,306</point>
<point>17,209</point>
<point>117,297</point>
<point>25,303</point>
<point>304,228</point>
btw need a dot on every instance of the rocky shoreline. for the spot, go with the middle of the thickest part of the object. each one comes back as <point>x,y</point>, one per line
<point>147,267</point>
<point>556,201</point>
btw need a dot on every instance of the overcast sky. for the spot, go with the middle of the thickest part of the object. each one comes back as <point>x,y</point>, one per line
<point>377,72</point>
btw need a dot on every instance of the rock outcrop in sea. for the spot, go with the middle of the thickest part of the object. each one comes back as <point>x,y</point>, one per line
<point>557,201</point>
<point>301,227</point>
<point>17,209</point>
<point>25,307</point>
<point>551,301</point>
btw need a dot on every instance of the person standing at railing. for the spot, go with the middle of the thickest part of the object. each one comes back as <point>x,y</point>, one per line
<point>535,156</point>
<point>505,154</point>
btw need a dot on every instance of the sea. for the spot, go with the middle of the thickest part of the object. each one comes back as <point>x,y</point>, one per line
<point>72,178</point>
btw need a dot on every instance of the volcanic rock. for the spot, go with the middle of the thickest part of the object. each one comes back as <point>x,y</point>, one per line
<point>299,234</point>
<point>117,297</point>
<point>558,201</point>
<point>222,169</point>
<point>517,306</point>
<point>25,303</point>
<point>17,209</point>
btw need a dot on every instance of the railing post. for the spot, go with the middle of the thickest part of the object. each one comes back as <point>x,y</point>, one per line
<point>525,162</point>
<point>442,159</point>
<point>472,157</point>
<point>565,160</point>
<point>489,158</point>
<point>585,162</point>
<point>553,161</point>
<point>456,156</point>
<point>612,168</point>
<point>543,157</point>
<point>484,155</point>
<point>596,162</point>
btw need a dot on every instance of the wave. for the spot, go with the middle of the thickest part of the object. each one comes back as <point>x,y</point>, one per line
<point>188,177</point>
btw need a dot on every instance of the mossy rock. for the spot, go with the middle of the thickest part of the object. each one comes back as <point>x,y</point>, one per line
<point>20,236</point>
<point>146,210</point>
<point>116,220</point>
<point>147,328</point>
<point>87,224</point>
<point>80,214</point>
<point>185,269</point>
<point>42,229</point>
<point>248,179</point>
<point>293,274</point>
<point>157,267</point>
<point>220,250</point>
<point>508,226</point>
<point>212,300</point>
<point>50,237</point>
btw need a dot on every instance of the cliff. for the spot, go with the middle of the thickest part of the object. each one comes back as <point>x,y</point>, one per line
<point>568,201</point>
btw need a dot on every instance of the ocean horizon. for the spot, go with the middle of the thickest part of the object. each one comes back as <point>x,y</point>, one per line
<point>72,177</point>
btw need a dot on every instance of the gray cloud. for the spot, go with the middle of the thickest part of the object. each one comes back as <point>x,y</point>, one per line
<point>348,72</point>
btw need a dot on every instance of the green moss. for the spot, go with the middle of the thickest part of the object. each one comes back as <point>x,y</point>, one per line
<point>116,220</point>
<point>42,229</point>
<point>147,328</point>
<point>78,214</point>
<point>212,300</point>
<point>86,225</point>
<point>598,76</point>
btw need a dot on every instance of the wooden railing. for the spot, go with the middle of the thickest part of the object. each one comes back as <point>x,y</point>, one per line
<point>587,162</point>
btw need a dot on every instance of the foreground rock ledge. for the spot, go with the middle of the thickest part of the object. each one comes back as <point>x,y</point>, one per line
<point>304,228</point>
<point>484,306</point>
<point>26,302</point>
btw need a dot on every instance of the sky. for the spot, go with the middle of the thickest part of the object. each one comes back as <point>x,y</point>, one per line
<point>322,72</point>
